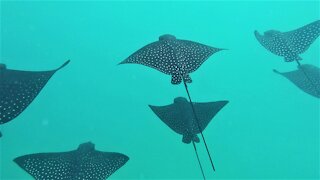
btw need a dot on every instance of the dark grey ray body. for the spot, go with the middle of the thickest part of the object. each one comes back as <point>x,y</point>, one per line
<point>179,116</point>
<point>172,56</point>
<point>290,44</point>
<point>19,88</point>
<point>83,163</point>
<point>306,77</point>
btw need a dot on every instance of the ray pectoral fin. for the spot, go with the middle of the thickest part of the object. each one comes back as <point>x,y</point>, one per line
<point>19,88</point>
<point>123,62</point>
<point>276,71</point>
<point>258,36</point>
<point>301,38</point>
<point>262,40</point>
<point>170,115</point>
<point>176,79</point>
<point>256,33</point>
<point>63,65</point>
<point>207,111</point>
<point>47,165</point>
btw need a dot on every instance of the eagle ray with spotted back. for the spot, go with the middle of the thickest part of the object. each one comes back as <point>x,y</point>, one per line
<point>290,44</point>
<point>162,55</point>
<point>19,88</point>
<point>83,163</point>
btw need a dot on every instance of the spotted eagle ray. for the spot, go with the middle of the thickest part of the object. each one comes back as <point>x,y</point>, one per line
<point>290,44</point>
<point>172,56</point>
<point>179,117</point>
<point>19,88</point>
<point>306,77</point>
<point>177,58</point>
<point>82,163</point>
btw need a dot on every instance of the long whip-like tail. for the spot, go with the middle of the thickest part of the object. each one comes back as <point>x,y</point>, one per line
<point>306,75</point>
<point>197,120</point>
<point>195,149</point>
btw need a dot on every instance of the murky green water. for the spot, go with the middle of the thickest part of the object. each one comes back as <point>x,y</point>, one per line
<point>269,130</point>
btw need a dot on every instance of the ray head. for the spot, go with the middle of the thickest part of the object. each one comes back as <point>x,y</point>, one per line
<point>3,67</point>
<point>167,37</point>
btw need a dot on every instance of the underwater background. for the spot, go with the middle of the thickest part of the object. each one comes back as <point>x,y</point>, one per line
<point>269,130</point>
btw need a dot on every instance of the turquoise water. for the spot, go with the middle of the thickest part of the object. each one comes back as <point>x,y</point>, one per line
<point>269,130</point>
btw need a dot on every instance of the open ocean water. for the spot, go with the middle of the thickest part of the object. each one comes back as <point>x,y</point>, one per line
<point>269,129</point>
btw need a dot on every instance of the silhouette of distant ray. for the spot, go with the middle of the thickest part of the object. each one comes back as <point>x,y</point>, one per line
<point>290,44</point>
<point>172,56</point>
<point>19,88</point>
<point>179,117</point>
<point>83,163</point>
<point>306,77</point>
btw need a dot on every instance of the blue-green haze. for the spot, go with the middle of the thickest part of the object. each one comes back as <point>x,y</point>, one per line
<point>269,130</point>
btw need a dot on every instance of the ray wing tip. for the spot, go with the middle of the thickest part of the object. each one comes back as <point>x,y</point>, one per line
<point>123,62</point>
<point>151,106</point>
<point>222,102</point>
<point>276,71</point>
<point>256,33</point>
<point>64,64</point>
<point>122,157</point>
<point>126,158</point>
<point>18,160</point>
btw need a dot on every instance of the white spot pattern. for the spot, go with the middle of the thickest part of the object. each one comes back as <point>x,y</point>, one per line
<point>18,89</point>
<point>290,44</point>
<point>172,56</point>
<point>87,164</point>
